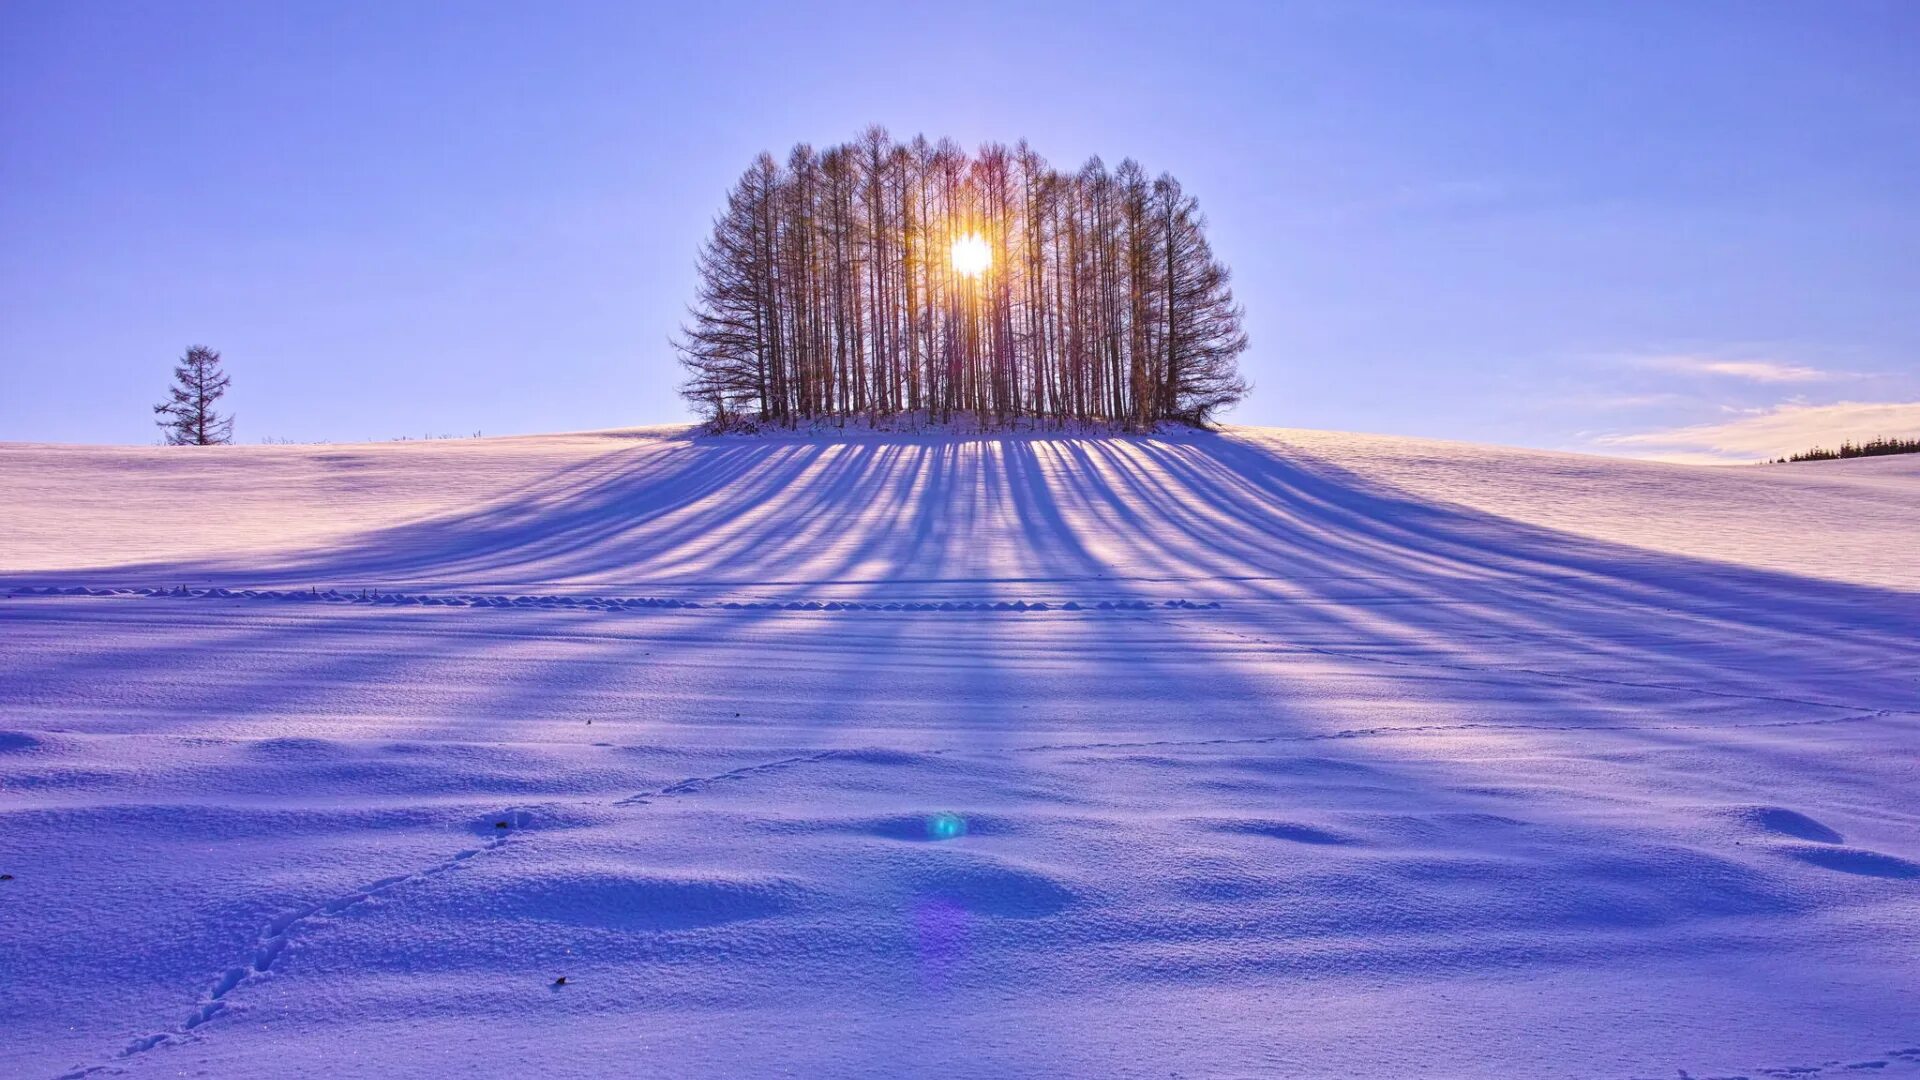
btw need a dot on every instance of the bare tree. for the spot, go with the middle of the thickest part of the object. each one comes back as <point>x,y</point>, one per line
<point>828,289</point>
<point>187,417</point>
<point>1203,336</point>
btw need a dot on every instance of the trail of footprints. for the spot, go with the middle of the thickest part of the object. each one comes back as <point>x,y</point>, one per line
<point>274,937</point>
<point>700,783</point>
<point>1817,844</point>
<point>606,604</point>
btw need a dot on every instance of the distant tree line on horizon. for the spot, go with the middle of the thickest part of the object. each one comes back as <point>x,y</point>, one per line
<point>879,278</point>
<point>1877,447</point>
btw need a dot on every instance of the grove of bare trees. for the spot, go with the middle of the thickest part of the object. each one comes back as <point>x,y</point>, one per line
<point>879,278</point>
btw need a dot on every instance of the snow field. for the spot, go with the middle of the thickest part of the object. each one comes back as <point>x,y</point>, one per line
<point>1432,791</point>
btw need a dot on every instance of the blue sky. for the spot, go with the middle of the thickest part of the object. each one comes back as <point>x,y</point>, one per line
<point>1678,229</point>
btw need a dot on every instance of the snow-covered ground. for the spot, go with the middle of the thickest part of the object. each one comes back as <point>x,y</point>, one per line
<point>1268,753</point>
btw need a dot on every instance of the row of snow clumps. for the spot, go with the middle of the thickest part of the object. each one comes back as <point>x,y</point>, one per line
<point>603,603</point>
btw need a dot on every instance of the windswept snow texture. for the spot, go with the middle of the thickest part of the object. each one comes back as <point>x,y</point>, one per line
<point>1262,753</point>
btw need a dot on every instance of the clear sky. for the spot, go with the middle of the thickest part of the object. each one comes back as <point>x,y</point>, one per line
<point>1674,228</point>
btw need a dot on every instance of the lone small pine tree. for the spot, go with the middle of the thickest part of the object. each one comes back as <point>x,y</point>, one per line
<point>187,417</point>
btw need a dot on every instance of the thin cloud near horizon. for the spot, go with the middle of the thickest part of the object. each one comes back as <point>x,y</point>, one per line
<point>1762,371</point>
<point>1774,432</point>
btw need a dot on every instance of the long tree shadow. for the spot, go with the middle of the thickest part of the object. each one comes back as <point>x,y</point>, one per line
<point>1325,577</point>
<point>1293,546</point>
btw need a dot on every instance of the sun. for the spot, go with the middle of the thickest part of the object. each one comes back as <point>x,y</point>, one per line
<point>972,255</point>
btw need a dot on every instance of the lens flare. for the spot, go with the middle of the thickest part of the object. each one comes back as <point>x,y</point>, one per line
<point>972,255</point>
<point>944,826</point>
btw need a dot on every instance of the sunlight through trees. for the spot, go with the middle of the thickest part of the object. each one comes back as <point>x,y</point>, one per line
<point>879,278</point>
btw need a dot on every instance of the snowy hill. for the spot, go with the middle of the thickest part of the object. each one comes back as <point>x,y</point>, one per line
<point>1255,753</point>
<point>873,514</point>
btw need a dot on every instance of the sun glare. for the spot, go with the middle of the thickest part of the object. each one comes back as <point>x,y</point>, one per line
<point>972,255</point>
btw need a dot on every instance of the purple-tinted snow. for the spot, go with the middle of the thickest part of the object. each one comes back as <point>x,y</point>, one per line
<point>1258,754</point>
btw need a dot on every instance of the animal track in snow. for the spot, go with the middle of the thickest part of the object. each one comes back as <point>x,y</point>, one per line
<point>278,932</point>
<point>610,604</point>
<point>274,937</point>
<point>698,783</point>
